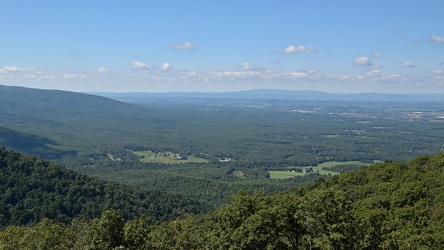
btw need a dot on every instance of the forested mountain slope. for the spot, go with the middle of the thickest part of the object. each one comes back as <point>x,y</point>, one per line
<point>32,189</point>
<point>392,205</point>
<point>61,123</point>
<point>42,101</point>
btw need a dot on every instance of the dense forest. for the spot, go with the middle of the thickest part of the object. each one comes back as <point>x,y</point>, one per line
<point>391,205</point>
<point>33,189</point>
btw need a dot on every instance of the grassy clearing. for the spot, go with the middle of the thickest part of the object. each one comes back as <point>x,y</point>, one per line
<point>323,172</point>
<point>238,173</point>
<point>283,174</point>
<point>316,169</point>
<point>166,157</point>
<point>337,163</point>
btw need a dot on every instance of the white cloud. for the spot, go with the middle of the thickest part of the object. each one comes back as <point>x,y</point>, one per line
<point>185,45</point>
<point>406,64</point>
<point>102,70</point>
<point>376,54</point>
<point>249,67</point>
<point>193,73</point>
<point>9,69</point>
<point>18,74</point>
<point>373,73</point>
<point>138,65</point>
<point>247,74</point>
<point>344,77</point>
<point>235,74</point>
<point>297,74</point>
<point>295,49</point>
<point>166,66</point>
<point>376,65</point>
<point>246,66</point>
<point>437,39</point>
<point>365,62</point>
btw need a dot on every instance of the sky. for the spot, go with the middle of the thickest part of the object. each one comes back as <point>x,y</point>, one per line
<point>212,46</point>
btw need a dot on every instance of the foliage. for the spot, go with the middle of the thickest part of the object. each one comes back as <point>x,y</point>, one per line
<point>108,231</point>
<point>33,189</point>
<point>390,205</point>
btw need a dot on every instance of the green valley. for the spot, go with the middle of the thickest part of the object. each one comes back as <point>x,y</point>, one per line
<point>259,134</point>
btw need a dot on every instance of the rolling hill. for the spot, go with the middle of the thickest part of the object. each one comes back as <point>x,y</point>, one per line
<point>33,189</point>
<point>59,123</point>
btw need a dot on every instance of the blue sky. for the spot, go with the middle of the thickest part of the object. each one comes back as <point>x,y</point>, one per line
<point>159,46</point>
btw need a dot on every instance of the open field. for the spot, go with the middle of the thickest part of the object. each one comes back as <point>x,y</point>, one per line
<point>283,174</point>
<point>166,157</point>
<point>288,174</point>
<point>316,169</point>
<point>337,163</point>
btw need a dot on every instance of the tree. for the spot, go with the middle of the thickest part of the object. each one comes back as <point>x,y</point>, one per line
<point>108,231</point>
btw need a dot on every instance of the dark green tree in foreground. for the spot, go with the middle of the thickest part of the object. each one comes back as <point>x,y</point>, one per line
<point>108,231</point>
<point>391,205</point>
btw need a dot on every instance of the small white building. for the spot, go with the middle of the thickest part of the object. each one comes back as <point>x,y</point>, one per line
<point>226,159</point>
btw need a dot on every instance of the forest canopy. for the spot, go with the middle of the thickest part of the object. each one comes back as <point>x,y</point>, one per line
<point>391,205</point>
<point>33,189</point>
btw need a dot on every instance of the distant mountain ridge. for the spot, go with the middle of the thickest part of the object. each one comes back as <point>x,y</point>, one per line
<point>42,122</point>
<point>16,98</point>
<point>8,93</point>
<point>263,94</point>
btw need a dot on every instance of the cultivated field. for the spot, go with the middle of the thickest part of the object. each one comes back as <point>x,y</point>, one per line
<point>316,169</point>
